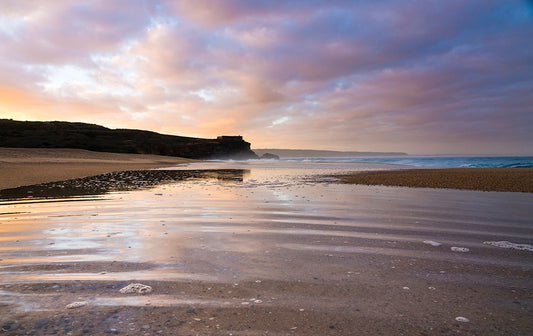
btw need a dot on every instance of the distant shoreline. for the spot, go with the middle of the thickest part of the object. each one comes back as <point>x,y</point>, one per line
<point>483,179</point>
<point>27,166</point>
<point>310,153</point>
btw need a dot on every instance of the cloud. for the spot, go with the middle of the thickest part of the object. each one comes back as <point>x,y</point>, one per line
<point>425,77</point>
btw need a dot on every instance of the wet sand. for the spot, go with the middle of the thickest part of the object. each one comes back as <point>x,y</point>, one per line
<point>364,304</point>
<point>27,166</point>
<point>242,252</point>
<point>486,179</point>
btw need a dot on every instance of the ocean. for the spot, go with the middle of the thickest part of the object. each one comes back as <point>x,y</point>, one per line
<point>436,161</point>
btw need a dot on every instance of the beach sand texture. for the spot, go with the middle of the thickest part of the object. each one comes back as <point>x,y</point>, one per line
<point>26,166</point>
<point>256,252</point>
<point>487,179</point>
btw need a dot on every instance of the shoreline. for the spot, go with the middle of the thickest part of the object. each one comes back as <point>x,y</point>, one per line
<point>27,166</point>
<point>481,179</point>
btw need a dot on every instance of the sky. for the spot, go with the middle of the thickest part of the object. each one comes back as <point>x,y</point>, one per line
<point>423,77</point>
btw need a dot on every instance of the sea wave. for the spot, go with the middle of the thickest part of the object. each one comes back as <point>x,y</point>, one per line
<point>437,161</point>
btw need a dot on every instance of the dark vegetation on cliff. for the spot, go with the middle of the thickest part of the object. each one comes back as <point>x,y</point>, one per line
<point>60,134</point>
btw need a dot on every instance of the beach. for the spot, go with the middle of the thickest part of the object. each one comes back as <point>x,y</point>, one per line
<point>486,179</point>
<point>263,248</point>
<point>26,166</point>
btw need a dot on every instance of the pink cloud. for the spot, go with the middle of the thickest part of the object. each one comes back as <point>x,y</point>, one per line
<point>336,75</point>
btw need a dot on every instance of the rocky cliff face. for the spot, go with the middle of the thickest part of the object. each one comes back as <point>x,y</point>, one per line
<point>57,134</point>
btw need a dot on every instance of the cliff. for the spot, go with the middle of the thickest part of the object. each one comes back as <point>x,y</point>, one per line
<point>60,134</point>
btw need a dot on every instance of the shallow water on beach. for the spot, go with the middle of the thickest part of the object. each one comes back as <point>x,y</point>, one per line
<point>255,222</point>
<point>215,228</point>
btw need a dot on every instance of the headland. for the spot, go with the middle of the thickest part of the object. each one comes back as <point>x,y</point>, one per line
<point>61,134</point>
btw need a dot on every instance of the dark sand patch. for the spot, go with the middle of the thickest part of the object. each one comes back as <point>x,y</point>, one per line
<point>116,181</point>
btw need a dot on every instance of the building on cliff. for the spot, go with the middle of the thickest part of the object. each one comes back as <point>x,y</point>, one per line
<point>230,137</point>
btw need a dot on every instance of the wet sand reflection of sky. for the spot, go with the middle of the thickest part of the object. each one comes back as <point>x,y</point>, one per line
<point>232,224</point>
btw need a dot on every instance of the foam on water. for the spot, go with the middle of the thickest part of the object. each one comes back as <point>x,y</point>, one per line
<point>460,249</point>
<point>136,288</point>
<point>76,304</point>
<point>432,243</point>
<point>509,245</point>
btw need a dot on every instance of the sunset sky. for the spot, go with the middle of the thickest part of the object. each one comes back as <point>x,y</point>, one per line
<point>423,77</point>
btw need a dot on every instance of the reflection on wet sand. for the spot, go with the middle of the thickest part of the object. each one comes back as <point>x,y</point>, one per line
<point>117,181</point>
<point>250,252</point>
